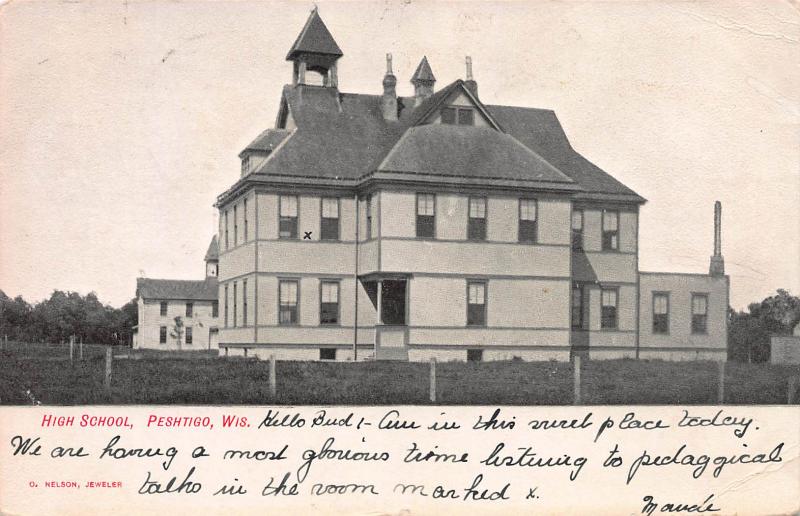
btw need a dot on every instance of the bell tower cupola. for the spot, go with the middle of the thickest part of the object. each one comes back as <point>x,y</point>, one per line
<point>314,54</point>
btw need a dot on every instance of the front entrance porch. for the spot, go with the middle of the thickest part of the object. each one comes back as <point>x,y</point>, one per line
<point>389,297</point>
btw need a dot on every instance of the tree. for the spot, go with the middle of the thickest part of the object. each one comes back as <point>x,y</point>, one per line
<point>749,332</point>
<point>177,330</point>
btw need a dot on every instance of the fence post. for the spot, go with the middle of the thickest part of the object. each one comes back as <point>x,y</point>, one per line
<point>81,349</point>
<point>721,386</point>
<point>792,390</point>
<point>71,346</point>
<point>576,385</point>
<point>107,381</point>
<point>433,380</point>
<point>273,388</point>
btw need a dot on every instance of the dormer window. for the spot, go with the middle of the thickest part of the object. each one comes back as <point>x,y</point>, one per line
<point>458,115</point>
<point>245,165</point>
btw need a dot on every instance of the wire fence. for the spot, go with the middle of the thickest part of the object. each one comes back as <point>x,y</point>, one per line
<point>50,373</point>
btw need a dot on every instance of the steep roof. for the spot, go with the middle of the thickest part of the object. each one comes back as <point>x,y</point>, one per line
<point>315,38</point>
<point>423,72</point>
<point>467,151</point>
<point>205,290</point>
<point>341,138</point>
<point>212,254</point>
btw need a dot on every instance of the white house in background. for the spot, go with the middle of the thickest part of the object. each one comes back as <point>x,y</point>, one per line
<point>161,301</point>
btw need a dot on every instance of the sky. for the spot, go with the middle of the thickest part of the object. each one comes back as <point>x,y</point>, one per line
<point>120,122</point>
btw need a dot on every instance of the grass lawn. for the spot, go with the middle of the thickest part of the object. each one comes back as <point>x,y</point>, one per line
<point>203,378</point>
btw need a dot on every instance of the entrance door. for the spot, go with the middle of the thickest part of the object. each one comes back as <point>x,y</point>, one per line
<point>393,302</point>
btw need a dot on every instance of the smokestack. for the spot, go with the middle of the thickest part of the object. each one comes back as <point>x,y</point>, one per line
<point>389,97</point>
<point>717,266</point>
<point>470,83</point>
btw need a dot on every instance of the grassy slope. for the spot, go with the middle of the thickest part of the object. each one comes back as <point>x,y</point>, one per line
<point>200,378</point>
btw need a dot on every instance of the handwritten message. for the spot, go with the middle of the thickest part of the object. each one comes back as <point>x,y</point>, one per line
<point>642,460</point>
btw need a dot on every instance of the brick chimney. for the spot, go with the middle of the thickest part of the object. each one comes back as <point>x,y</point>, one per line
<point>389,97</point>
<point>470,83</point>
<point>717,266</point>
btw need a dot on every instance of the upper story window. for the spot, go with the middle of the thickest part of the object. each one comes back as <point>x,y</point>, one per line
<point>189,309</point>
<point>329,302</point>
<point>426,215</point>
<point>235,225</point>
<point>245,164</point>
<point>577,230</point>
<point>699,313</point>
<point>476,303</point>
<point>329,225</point>
<point>458,115</point>
<point>610,230</point>
<point>660,312</point>
<point>368,209</point>
<point>527,220</point>
<point>163,309</point>
<point>227,243</point>
<point>287,302</point>
<point>288,216</point>
<point>246,222</point>
<point>476,226</point>
<point>608,316</point>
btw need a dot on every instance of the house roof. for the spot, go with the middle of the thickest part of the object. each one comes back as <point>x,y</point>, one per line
<point>315,38</point>
<point>205,290</point>
<point>267,141</point>
<point>423,72</point>
<point>342,138</point>
<point>212,254</point>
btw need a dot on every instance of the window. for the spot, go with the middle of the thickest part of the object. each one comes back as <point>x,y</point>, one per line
<point>215,309</point>
<point>476,226</point>
<point>189,309</point>
<point>246,224</point>
<point>288,217</point>
<point>236,225</point>
<point>577,307</point>
<point>163,309</point>
<point>235,306</point>
<point>327,353</point>
<point>577,230</point>
<point>189,335</point>
<point>368,208</point>
<point>227,243</point>
<point>457,116</point>
<point>329,226</point>
<point>162,335</point>
<point>699,313</point>
<point>329,302</point>
<point>245,165</point>
<point>474,355</point>
<point>610,230</point>
<point>476,303</point>
<point>226,306</point>
<point>660,312</point>
<point>426,215</point>
<point>244,302</point>
<point>608,319</point>
<point>527,220</point>
<point>287,295</point>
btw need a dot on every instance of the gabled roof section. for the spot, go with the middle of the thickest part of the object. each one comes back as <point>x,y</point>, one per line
<point>205,290</point>
<point>212,254</point>
<point>432,104</point>
<point>423,72</point>
<point>267,141</point>
<point>540,131</point>
<point>470,152</point>
<point>315,38</point>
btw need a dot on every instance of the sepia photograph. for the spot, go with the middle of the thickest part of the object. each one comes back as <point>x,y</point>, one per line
<point>514,203</point>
